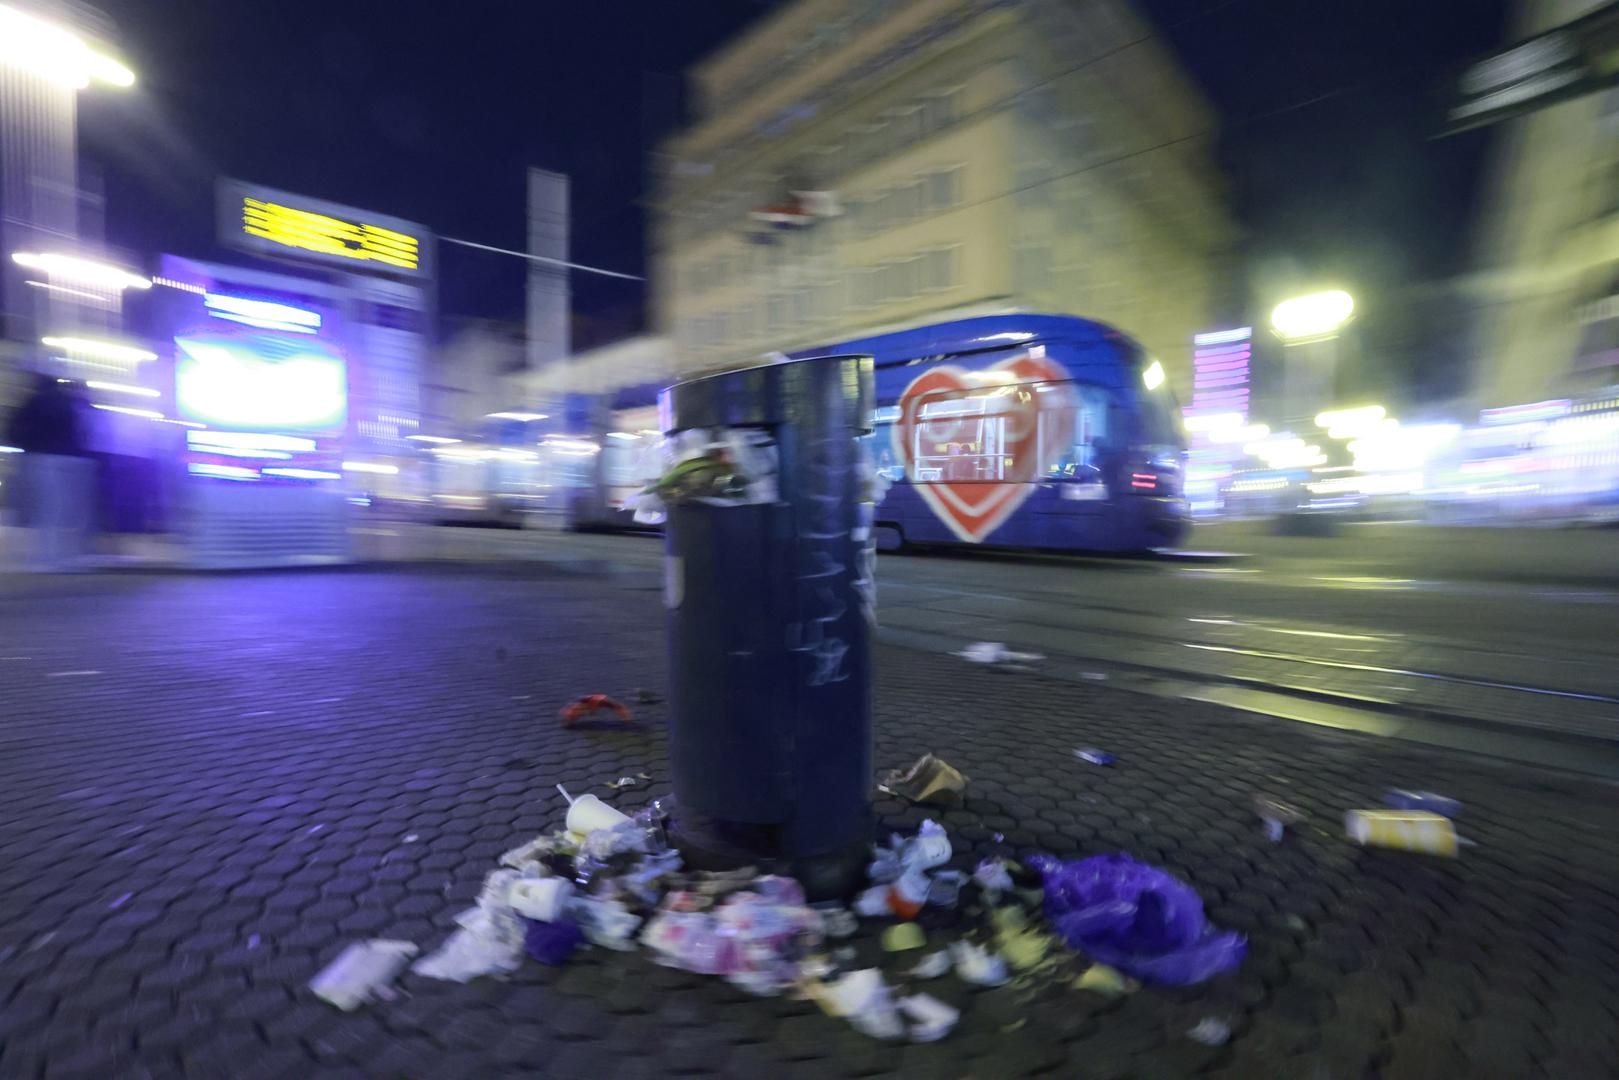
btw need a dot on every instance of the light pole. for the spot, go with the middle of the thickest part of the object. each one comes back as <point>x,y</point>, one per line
<point>1309,326</point>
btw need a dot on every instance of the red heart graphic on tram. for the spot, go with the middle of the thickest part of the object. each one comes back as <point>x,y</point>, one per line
<point>974,443</point>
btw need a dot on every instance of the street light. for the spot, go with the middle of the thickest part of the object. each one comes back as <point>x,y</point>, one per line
<point>100,350</point>
<point>1313,317</point>
<point>79,271</point>
<point>55,53</point>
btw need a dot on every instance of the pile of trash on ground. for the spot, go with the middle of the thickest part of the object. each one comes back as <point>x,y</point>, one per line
<point>612,881</point>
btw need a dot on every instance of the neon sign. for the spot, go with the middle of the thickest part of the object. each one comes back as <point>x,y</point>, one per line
<point>327,235</point>
<point>267,222</point>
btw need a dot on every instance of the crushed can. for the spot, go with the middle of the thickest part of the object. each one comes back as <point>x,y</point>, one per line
<point>1405,830</point>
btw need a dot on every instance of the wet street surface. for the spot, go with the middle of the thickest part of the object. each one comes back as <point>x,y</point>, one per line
<point>212,784</point>
<point>1455,636</point>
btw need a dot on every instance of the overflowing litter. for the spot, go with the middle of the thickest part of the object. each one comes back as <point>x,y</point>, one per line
<point>1404,830</point>
<point>928,780</point>
<point>609,879</point>
<point>590,707</point>
<point>993,652</point>
<point>364,970</point>
<point>1138,918</point>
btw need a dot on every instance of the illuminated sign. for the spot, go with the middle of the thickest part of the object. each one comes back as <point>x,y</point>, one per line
<point>276,223</point>
<point>261,313</point>
<point>260,383</point>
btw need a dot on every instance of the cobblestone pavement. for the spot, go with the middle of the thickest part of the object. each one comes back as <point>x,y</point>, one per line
<point>210,785</point>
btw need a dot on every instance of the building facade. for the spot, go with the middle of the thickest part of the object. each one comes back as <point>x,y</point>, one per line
<point>1549,324</point>
<point>962,156</point>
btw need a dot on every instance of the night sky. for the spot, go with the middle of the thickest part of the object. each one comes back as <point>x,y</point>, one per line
<point>431,112</point>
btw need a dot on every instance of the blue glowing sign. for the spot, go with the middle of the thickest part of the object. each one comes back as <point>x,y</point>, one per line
<point>261,382</point>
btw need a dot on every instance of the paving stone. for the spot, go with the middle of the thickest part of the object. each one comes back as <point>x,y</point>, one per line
<point>1362,963</point>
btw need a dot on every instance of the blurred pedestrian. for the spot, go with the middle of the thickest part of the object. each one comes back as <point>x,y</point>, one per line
<point>56,473</point>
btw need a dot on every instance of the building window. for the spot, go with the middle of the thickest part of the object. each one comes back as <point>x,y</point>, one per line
<point>939,268</point>
<point>865,145</point>
<point>914,199</point>
<point>941,109</point>
<point>944,188</point>
<point>905,126</point>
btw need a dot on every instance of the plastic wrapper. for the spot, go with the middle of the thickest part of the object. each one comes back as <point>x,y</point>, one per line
<point>931,1018</point>
<point>490,938</point>
<point>977,965</point>
<point>639,835</point>
<point>755,939</point>
<point>932,965</point>
<point>1138,918</point>
<point>993,877</point>
<point>605,922</point>
<point>483,946</point>
<point>362,971</point>
<point>865,1001</point>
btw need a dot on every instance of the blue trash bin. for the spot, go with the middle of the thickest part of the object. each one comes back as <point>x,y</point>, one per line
<point>770,602</point>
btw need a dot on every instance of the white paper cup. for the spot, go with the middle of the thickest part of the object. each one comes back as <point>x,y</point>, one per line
<point>588,813</point>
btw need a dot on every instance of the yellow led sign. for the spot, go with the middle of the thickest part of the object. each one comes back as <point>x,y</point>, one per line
<point>327,235</point>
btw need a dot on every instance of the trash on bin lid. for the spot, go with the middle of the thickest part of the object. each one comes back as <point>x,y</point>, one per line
<point>363,970</point>
<point>581,709</point>
<point>928,780</point>
<point>1402,799</point>
<point>994,652</point>
<point>1095,756</point>
<point>903,936</point>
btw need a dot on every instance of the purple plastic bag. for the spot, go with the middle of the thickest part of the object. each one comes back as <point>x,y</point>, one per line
<point>553,942</point>
<point>1140,919</point>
